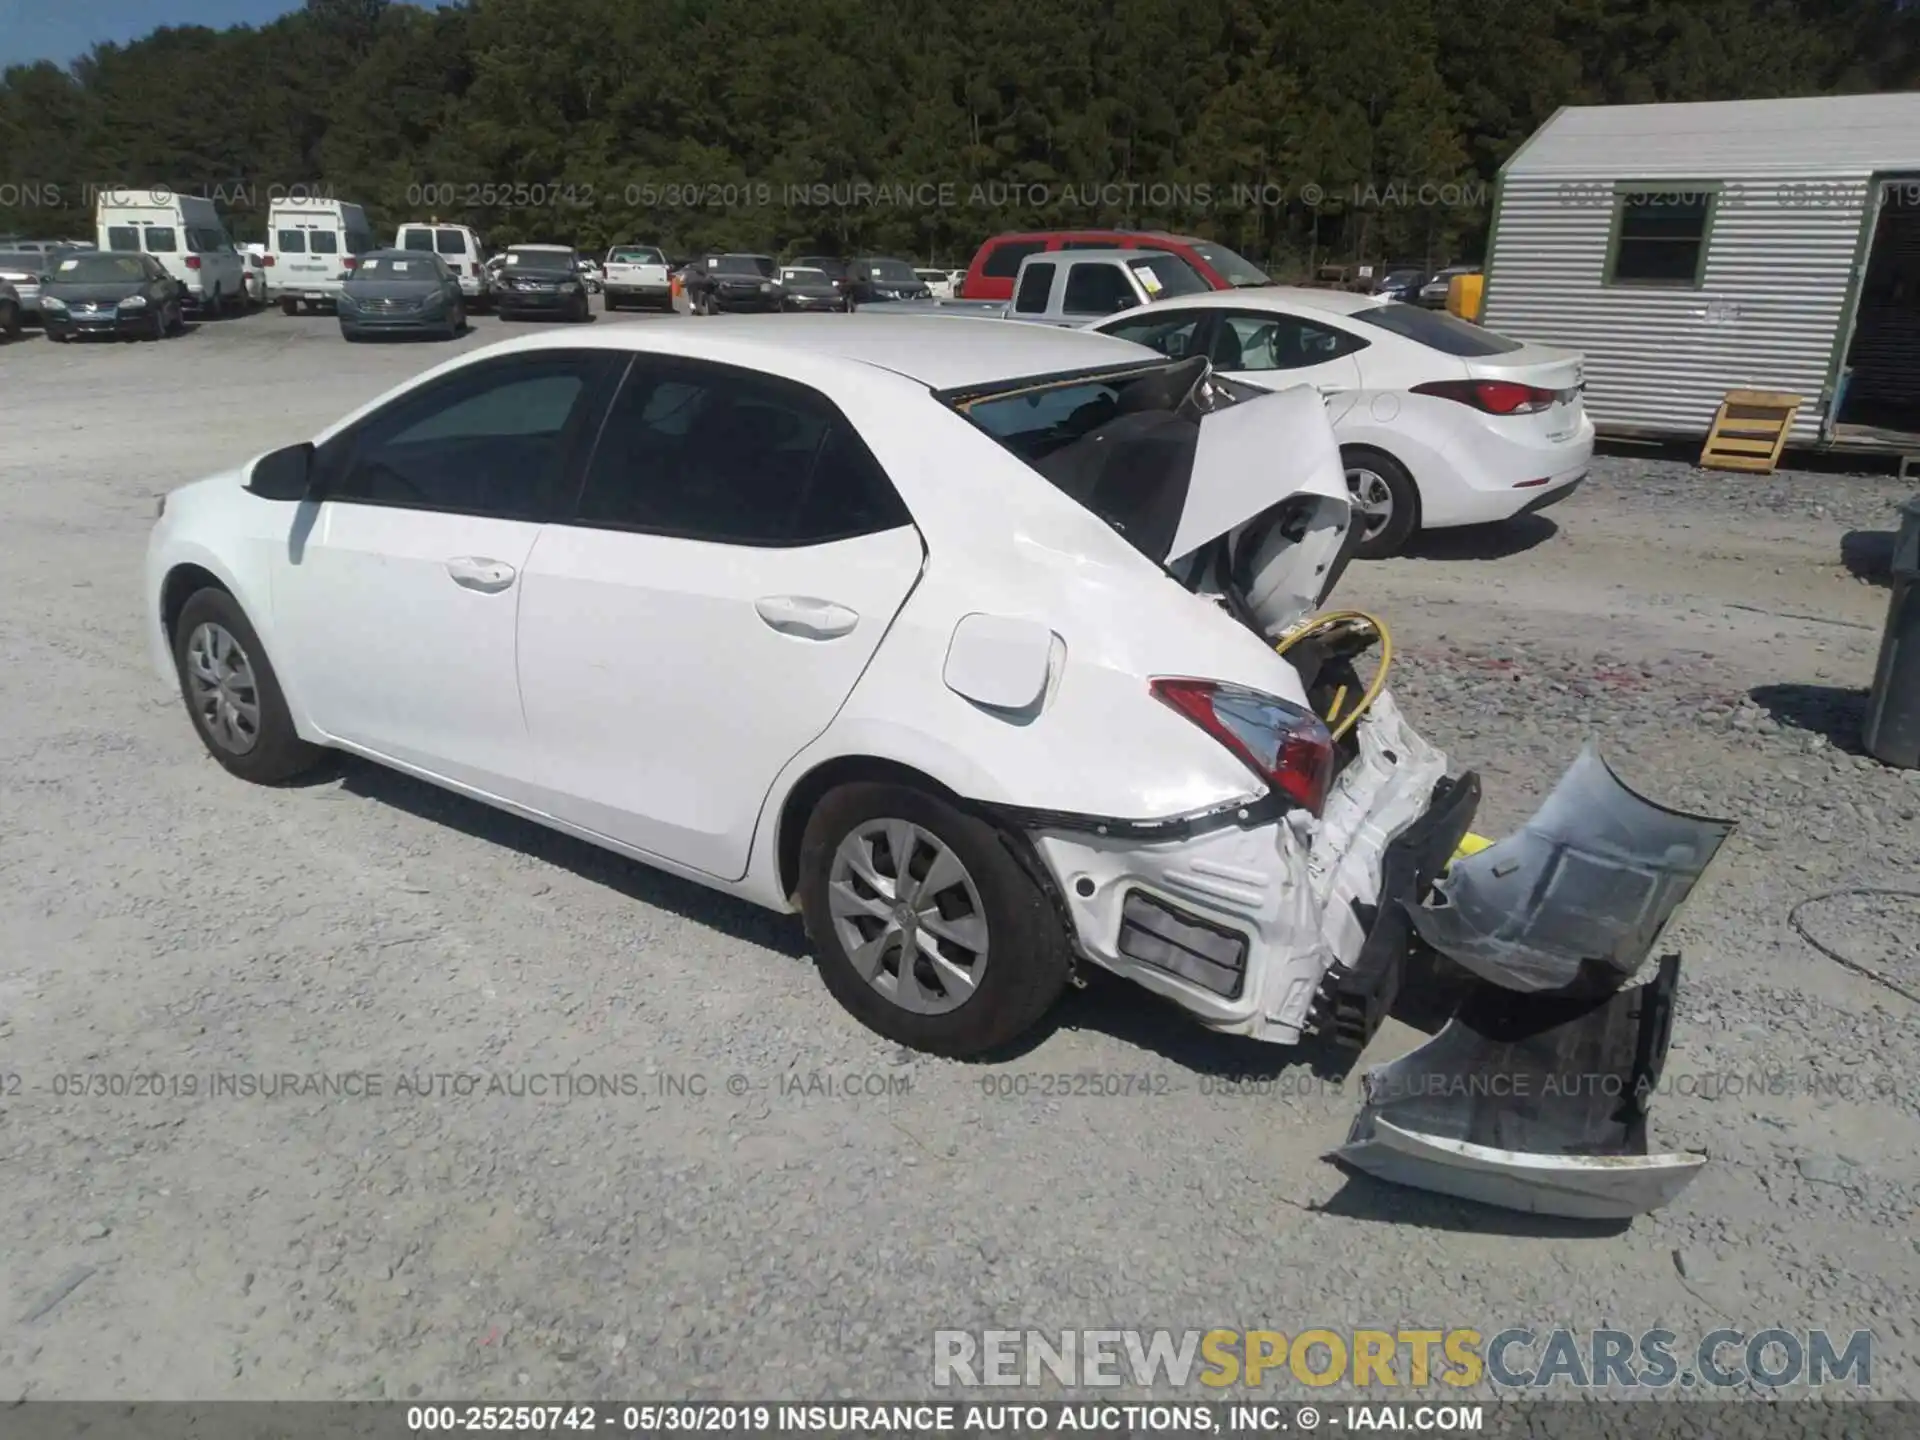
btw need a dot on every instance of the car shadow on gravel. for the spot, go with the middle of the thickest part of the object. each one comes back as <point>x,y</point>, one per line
<point>1365,1198</point>
<point>1482,542</point>
<point>734,918</point>
<point>1868,555</point>
<point>1832,711</point>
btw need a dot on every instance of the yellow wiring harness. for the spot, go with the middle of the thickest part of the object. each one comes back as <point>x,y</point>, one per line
<point>1338,724</point>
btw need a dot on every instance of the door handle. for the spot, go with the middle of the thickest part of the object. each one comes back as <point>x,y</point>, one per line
<point>805,616</point>
<point>476,572</point>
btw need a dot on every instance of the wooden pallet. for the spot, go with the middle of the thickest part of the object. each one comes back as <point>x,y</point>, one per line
<point>1750,431</point>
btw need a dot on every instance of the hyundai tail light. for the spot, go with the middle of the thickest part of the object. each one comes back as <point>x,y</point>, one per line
<point>1284,745</point>
<point>1493,397</point>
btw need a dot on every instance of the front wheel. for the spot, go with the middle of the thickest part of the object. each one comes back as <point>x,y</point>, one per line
<point>929,930</point>
<point>232,693</point>
<point>1386,503</point>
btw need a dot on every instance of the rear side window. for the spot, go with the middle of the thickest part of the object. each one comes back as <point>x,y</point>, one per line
<point>122,237</point>
<point>416,240</point>
<point>1003,261</point>
<point>735,458</point>
<point>292,242</point>
<point>161,240</point>
<point>1036,284</point>
<point>449,242</point>
<point>1438,330</point>
<point>1097,288</point>
<point>324,242</point>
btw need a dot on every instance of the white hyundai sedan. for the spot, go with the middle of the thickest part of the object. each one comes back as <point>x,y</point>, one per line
<point>956,636</point>
<point>1441,422</point>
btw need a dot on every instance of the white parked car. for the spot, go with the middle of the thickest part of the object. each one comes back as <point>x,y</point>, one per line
<point>944,284</point>
<point>957,637</point>
<point>1441,422</point>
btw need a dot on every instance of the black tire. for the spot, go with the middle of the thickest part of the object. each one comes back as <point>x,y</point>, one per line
<point>177,321</point>
<point>607,302</point>
<point>10,321</point>
<point>157,324</point>
<point>277,752</point>
<point>1027,960</point>
<point>1364,466</point>
<point>289,305</point>
<point>350,335</point>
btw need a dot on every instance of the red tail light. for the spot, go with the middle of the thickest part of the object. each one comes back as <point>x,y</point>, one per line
<point>266,260</point>
<point>1284,745</point>
<point>1495,397</point>
<point>193,262</point>
<point>348,263</point>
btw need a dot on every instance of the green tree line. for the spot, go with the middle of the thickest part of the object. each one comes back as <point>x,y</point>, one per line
<point>1298,131</point>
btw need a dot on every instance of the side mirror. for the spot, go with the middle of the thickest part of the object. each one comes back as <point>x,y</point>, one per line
<point>285,474</point>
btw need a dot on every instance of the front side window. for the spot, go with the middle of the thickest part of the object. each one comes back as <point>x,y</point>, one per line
<point>122,237</point>
<point>735,458</point>
<point>1036,284</point>
<point>1172,335</point>
<point>1097,288</point>
<point>1259,340</point>
<point>1660,236</point>
<point>161,240</point>
<point>1003,261</point>
<point>489,440</point>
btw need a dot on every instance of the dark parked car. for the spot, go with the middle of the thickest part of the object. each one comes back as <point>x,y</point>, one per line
<point>111,293</point>
<point>804,288</point>
<point>401,291</point>
<point>719,283</point>
<point>542,280</point>
<point>9,311</point>
<point>1401,282</point>
<point>879,278</point>
<point>834,268</point>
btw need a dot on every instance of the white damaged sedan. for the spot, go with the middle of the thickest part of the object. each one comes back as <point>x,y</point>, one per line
<point>959,638</point>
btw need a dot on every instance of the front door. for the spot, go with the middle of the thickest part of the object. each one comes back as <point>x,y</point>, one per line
<point>735,557</point>
<point>396,608</point>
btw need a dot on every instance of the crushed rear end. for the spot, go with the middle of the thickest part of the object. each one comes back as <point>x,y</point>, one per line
<point>1310,909</point>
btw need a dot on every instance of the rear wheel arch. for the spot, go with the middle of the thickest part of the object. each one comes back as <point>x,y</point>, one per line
<point>814,786</point>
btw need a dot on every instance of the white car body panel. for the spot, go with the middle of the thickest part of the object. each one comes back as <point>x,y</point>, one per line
<point>636,280</point>
<point>1470,468</point>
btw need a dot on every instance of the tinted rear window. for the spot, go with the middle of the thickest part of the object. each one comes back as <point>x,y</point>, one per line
<point>1448,334</point>
<point>123,237</point>
<point>1003,261</point>
<point>292,242</point>
<point>1122,446</point>
<point>636,255</point>
<point>324,242</point>
<point>161,240</point>
<point>416,240</point>
<point>449,242</point>
<point>759,265</point>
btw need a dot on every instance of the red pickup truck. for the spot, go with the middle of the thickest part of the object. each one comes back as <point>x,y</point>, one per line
<point>990,276</point>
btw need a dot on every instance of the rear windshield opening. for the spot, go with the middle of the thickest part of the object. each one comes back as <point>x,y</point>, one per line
<point>1122,445</point>
<point>1448,334</point>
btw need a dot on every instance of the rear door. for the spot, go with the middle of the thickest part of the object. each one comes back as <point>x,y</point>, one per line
<point>1278,348</point>
<point>735,557</point>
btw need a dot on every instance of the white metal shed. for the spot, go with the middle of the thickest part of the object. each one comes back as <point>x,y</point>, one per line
<point>1690,250</point>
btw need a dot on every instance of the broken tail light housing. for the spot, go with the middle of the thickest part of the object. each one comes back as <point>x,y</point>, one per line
<point>1286,746</point>
<point>1492,397</point>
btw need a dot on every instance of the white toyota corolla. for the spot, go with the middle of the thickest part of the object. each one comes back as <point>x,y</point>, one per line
<point>1441,423</point>
<point>958,637</point>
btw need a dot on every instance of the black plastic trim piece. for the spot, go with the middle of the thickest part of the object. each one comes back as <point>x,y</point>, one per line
<point>1243,815</point>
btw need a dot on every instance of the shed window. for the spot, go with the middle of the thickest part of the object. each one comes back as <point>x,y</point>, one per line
<point>1660,236</point>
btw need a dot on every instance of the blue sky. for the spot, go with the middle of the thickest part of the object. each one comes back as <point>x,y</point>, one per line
<point>64,30</point>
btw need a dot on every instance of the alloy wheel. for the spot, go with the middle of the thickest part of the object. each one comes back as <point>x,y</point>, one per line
<point>908,915</point>
<point>225,698</point>
<point>1372,498</point>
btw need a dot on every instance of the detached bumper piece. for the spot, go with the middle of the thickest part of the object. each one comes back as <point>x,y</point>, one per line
<point>1531,1104</point>
<point>1534,1096</point>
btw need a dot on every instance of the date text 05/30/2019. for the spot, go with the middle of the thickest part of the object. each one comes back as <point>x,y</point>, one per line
<point>844,1418</point>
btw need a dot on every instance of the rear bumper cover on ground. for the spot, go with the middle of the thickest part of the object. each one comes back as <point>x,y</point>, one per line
<point>1533,1097</point>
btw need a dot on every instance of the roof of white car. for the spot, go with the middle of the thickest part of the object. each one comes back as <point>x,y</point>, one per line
<point>1291,297</point>
<point>942,352</point>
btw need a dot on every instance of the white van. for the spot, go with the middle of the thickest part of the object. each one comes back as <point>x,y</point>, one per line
<point>311,246</point>
<point>458,245</point>
<point>185,234</point>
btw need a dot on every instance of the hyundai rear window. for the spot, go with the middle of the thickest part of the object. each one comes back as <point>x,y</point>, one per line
<point>1436,329</point>
<point>1121,444</point>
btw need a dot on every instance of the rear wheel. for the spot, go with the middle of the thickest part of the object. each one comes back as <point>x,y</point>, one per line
<point>928,929</point>
<point>607,298</point>
<point>1386,503</point>
<point>289,305</point>
<point>157,323</point>
<point>232,693</point>
<point>10,320</point>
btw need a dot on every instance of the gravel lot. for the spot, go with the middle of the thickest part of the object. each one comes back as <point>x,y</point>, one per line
<point>741,1224</point>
